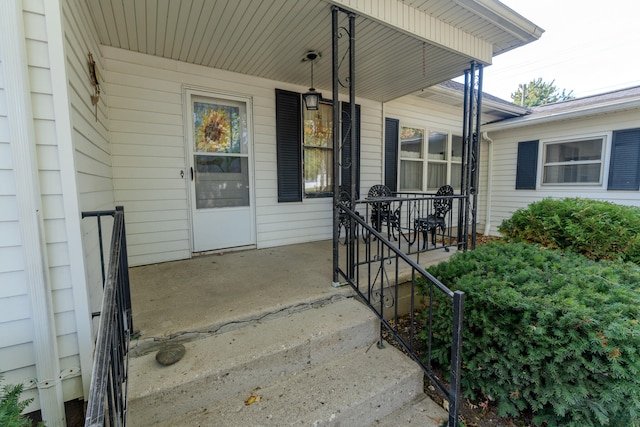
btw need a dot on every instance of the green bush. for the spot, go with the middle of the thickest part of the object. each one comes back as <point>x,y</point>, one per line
<point>597,229</point>
<point>11,407</point>
<point>551,333</point>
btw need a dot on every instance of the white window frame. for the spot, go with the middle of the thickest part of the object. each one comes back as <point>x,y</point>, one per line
<point>604,156</point>
<point>425,156</point>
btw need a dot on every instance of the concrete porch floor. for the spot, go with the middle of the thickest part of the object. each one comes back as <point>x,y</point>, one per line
<point>182,300</point>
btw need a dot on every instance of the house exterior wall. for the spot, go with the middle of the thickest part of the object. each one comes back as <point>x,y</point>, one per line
<point>88,166</point>
<point>505,199</point>
<point>17,343</point>
<point>148,142</point>
<point>414,111</point>
<point>89,132</point>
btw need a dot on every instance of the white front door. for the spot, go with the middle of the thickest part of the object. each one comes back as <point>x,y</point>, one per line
<point>221,174</point>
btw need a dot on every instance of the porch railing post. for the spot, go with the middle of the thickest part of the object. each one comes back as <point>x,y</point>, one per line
<point>124,262</point>
<point>456,357</point>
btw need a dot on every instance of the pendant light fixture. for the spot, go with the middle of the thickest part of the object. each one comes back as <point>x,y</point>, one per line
<point>311,98</point>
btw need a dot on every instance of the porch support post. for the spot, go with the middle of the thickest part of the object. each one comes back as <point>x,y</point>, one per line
<point>470,155</point>
<point>475,152</point>
<point>464,182</point>
<point>336,145</point>
<point>352,156</point>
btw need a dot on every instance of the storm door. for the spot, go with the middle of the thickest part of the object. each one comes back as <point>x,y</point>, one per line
<point>221,175</point>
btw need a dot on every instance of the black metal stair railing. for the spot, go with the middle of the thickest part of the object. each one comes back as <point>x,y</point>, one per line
<point>107,403</point>
<point>377,260</point>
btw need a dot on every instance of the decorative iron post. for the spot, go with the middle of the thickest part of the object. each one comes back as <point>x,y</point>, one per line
<point>339,140</point>
<point>336,131</point>
<point>470,155</point>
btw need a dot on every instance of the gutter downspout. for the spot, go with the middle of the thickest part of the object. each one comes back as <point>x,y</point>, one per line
<point>30,219</point>
<point>487,215</point>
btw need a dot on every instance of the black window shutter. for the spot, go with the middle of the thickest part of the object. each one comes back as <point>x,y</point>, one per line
<point>625,160</point>
<point>392,128</point>
<point>527,166</point>
<point>289,146</point>
<point>346,147</point>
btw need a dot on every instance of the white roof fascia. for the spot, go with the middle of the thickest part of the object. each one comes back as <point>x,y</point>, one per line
<point>534,119</point>
<point>430,29</point>
<point>504,17</point>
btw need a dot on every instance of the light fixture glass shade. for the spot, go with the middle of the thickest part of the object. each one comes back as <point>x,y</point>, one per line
<point>312,99</point>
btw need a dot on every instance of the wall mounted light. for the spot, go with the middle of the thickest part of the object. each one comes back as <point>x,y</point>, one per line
<point>311,98</point>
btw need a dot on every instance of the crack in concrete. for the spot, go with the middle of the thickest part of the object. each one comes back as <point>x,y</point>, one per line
<point>151,344</point>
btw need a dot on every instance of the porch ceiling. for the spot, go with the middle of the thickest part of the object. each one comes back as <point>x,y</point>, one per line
<point>267,38</point>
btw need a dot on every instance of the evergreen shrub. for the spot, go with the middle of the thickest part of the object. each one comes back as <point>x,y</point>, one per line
<point>11,407</point>
<point>546,332</point>
<point>596,229</point>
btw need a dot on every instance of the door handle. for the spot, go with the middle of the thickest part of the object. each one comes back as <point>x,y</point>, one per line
<point>191,169</point>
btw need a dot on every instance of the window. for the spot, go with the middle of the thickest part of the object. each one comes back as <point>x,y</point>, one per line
<point>318,150</point>
<point>573,162</point>
<point>411,158</point>
<point>304,148</point>
<point>428,165</point>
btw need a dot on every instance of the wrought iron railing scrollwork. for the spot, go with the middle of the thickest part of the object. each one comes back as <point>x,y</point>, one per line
<point>378,258</point>
<point>107,403</point>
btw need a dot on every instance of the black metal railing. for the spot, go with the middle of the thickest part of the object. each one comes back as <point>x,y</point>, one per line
<point>107,403</point>
<point>378,259</point>
<point>412,221</point>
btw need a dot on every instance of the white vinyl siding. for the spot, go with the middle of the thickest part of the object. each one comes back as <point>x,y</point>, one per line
<point>16,329</point>
<point>505,199</point>
<point>146,116</point>
<point>90,136</point>
<point>16,325</point>
<point>52,192</point>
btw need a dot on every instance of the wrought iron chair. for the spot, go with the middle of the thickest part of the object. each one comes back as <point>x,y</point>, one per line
<point>437,220</point>
<point>381,212</point>
<point>344,200</point>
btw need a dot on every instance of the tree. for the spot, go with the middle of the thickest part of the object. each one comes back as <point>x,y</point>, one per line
<point>537,92</point>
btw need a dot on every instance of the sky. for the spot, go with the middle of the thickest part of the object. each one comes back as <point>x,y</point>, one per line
<point>588,46</point>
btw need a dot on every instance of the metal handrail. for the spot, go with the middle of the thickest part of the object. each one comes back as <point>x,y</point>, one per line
<point>107,403</point>
<point>373,257</point>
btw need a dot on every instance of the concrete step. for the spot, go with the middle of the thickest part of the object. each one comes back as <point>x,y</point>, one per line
<point>422,412</point>
<point>317,367</point>
<point>353,389</point>
<point>224,365</point>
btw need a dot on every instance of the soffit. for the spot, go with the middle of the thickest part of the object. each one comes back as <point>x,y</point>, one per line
<point>268,38</point>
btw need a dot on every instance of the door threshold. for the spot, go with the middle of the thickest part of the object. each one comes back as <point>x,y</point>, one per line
<point>222,251</point>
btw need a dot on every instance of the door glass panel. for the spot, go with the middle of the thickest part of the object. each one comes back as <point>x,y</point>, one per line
<point>221,159</point>
<point>221,181</point>
<point>220,127</point>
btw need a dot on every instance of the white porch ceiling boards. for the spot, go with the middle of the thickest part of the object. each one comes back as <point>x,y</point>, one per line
<point>401,47</point>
